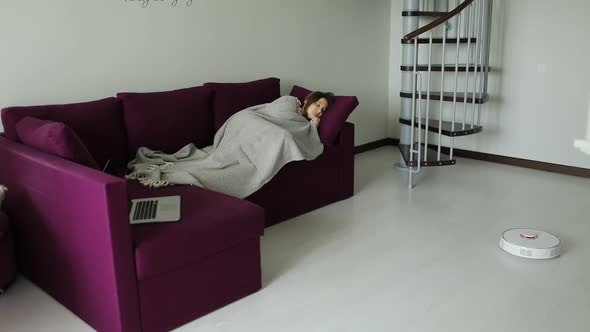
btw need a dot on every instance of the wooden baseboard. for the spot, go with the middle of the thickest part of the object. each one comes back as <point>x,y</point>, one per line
<point>526,163</point>
<point>532,164</point>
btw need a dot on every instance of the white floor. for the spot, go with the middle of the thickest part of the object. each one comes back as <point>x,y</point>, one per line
<point>390,259</point>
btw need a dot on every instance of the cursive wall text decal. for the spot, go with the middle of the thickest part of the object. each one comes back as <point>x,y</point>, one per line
<point>173,3</point>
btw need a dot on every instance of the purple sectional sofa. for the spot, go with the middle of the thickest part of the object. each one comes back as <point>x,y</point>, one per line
<point>70,219</point>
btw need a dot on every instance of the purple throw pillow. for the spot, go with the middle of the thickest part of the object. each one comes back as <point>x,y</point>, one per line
<point>334,118</point>
<point>99,124</point>
<point>233,97</point>
<point>167,121</point>
<point>55,138</point>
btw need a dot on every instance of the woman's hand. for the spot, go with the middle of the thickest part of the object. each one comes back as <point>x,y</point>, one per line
<point>315,122</point>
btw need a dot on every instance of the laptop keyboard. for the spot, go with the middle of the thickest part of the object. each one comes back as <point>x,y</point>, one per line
<point>145,210</point>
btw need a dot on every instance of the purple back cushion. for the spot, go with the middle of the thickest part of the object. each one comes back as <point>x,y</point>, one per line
<point>334,118</point>
<point>55,138</point>
<point>233,97</point>
<point>167,121</point>
<point>99,124</point>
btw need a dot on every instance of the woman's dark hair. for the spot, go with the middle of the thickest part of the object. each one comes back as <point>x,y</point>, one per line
<point>315,96</point>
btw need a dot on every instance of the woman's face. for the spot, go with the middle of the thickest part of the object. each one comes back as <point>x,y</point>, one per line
<point>317,109</point>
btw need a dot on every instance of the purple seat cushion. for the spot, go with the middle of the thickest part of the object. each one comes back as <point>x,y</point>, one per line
<point>233,97</point>
<point>55,138</point>
<point>99,124</point>
<point>334,118</point>
<point>210,223</point>
<point>167,121</point>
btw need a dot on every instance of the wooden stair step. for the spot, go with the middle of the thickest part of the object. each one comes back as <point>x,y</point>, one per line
<point>424,13</point>
<point>447,129</point>
<point>439,40</point>
<point>431,159</point>
<point>448,68</point>
<point>448,96</point>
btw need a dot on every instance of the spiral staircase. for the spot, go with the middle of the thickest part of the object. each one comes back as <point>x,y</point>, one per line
<point>445,68</point>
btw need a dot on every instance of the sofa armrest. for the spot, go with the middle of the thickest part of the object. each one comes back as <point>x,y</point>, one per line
<point>72,234</point>
<point>344,149</point>
<point>347,142</point>
<point>346,136</point>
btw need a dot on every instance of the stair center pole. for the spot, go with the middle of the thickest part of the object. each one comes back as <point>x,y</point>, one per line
<point>410,23</point>
<point>408,84</point>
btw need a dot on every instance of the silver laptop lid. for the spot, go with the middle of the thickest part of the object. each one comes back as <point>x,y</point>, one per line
<point>155,209</point>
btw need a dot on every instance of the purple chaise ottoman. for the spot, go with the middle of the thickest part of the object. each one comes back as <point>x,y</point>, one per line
<point>189,268</point>
<point>7,261</point>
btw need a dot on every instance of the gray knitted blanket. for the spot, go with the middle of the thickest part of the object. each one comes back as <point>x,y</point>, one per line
<point>247,151</point>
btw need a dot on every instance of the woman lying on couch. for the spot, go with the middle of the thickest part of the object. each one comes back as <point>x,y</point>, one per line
<point>247,152</point>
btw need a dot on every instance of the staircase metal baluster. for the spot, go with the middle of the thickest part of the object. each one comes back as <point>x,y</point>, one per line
<point>419,120</point>
<point>455,20</point>
<point>481,61</point>
<point>489,6</point>
<point>427,123</point>
<point>418,78</point>
<point>469,21</point>
<point>488,41</point>
<point>475,58</point>
<point>456,82</point>
<point>442,89</point>
<point>413,101</point>
<point>458,27</point>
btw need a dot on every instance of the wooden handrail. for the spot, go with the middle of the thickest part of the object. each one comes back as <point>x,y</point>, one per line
<point>439,21</point>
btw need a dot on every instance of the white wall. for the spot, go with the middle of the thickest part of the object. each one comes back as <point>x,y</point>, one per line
<point>532,115</point>
<point>395,60</point>
<point>74,50</point>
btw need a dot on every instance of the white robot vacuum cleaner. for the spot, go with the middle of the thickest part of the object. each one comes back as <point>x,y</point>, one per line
<point>530,243</point>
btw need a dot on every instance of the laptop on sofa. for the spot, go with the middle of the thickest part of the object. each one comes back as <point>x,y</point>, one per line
<point>154,209</point>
